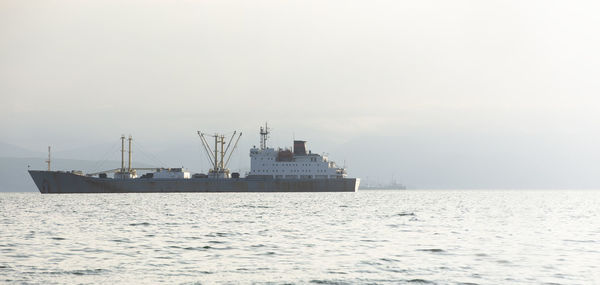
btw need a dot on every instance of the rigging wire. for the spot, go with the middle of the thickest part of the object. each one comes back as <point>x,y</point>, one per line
<point>208,158</point>
<point>112,148</point>
<point>150,156</point>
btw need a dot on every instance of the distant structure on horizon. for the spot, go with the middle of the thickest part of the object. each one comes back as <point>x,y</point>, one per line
<point>393,185</point>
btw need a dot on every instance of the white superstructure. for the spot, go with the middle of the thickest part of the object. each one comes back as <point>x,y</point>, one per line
<point>266,162</point>
<point>171,173</point>
<point>291,164</point>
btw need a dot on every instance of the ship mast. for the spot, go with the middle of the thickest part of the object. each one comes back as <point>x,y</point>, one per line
<point>216,144</point>
<point>122,153</point>
<point>129,162</point>
<point>126,173</point>
<point>49,158</point>
<point>219,155</point>
<point>222,141</point>
<point>264,135</point>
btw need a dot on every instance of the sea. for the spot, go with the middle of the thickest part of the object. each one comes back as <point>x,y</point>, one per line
<point>367,237</point>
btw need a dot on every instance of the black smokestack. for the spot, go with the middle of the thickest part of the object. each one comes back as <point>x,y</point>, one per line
<point>299,147</point>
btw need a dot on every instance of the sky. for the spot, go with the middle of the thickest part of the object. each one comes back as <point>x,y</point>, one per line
<point>433,94</point>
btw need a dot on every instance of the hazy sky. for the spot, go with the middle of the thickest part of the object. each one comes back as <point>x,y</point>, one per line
<point>436,93</point>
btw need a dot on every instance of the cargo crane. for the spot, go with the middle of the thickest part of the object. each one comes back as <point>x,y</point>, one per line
<point>122,172</point>
<point>220,155</point>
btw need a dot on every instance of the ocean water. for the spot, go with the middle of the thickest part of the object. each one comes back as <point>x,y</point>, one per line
<point>368,237</point>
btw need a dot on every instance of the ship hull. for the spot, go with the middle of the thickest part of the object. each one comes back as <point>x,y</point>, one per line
<point>57,182</point>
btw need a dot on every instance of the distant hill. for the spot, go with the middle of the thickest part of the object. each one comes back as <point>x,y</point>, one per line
<point>9,150</point>
<point>14,176</point>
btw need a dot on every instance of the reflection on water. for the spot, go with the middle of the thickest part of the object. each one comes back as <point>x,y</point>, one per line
<point>374,237</point>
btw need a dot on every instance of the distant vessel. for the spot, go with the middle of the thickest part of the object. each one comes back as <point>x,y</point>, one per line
<point>391,186</point>
<point>272,170</point>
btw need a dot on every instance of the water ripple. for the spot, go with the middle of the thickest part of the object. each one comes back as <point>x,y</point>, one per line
<point>374,237</point>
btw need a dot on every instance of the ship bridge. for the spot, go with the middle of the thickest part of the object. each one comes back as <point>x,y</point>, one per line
<point>296,163</point>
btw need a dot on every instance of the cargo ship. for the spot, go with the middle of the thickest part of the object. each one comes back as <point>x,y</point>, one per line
<point>271,170</point>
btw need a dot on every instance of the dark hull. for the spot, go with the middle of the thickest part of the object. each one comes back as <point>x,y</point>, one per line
<point>56,182</point>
